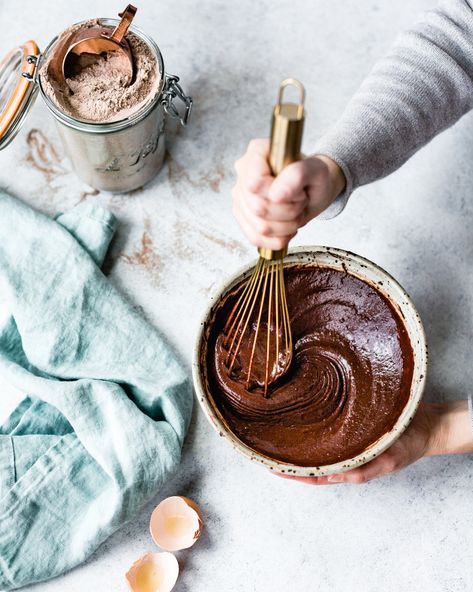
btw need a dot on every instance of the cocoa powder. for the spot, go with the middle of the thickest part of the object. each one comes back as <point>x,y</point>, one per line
<point>98,91</point>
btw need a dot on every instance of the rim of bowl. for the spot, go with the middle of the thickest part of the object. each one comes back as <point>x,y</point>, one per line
<point>367,271</point>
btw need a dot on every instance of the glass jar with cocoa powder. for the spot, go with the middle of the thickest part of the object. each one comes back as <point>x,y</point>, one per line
<point>113,134</point>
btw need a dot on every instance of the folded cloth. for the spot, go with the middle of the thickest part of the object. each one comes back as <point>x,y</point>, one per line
<point>107,405</point>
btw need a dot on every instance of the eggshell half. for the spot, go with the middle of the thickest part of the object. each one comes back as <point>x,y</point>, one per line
<point>154,572</point>
<point>176,523</point>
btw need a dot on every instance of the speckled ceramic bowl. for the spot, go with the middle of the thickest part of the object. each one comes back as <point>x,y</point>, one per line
<point>366,271</point>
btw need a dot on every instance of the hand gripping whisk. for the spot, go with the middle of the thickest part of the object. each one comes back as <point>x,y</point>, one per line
<point>257,333</point>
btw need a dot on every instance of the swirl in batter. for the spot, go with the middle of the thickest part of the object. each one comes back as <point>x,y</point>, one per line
<point>349,380</point>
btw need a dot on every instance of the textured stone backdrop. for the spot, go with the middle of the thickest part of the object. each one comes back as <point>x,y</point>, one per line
<point>177,241</point>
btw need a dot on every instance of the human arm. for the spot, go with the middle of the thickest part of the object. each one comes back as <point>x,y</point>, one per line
<point>421,87</point>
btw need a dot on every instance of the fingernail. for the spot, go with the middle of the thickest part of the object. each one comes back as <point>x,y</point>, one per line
<point>335,478</point>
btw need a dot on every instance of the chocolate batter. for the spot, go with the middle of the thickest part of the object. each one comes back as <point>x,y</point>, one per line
<point>349,380</point>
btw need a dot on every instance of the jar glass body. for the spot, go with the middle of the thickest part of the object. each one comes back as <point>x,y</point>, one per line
<point>117,156</point>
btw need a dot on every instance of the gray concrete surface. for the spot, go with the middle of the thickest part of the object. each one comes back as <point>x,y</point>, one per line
<point>177,242</point>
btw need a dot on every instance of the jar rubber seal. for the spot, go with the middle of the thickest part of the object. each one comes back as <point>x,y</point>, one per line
<point>17,88</point>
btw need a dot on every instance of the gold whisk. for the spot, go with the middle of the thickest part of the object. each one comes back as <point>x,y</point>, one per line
<point>263,298</point>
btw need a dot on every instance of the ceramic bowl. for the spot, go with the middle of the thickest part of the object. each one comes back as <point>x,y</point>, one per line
<point>368,272</point>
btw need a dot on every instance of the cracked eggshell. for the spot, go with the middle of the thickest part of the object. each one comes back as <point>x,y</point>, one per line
<point>176,523</point>
<point>154,572</point>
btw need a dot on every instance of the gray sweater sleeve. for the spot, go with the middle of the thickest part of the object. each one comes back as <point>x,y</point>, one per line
<point>420,88</point>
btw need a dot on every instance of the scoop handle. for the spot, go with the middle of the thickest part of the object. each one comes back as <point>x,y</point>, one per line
<point>122,28</point>
<point>287,125</point>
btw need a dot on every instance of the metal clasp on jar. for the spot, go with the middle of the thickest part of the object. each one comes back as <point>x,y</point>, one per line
<point>173,90</point>
<point>32,76</point>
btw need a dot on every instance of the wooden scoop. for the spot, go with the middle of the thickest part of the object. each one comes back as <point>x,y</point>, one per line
<point>83,46</point>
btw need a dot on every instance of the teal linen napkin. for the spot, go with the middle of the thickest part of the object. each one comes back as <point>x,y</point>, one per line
<point>107,405</point>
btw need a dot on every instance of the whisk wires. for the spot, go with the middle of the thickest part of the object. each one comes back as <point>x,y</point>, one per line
<point>261,308</point>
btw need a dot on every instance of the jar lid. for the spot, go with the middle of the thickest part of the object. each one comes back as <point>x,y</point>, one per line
<point>18,89</point>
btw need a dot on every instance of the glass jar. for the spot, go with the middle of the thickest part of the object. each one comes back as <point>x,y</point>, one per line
<point>117,156</point>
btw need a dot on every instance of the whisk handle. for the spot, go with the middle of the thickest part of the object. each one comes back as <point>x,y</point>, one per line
<point>286,128</point>
<point>287,125</point>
